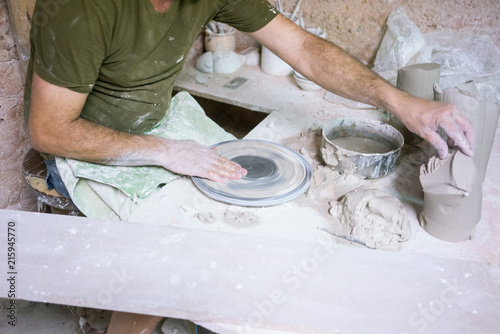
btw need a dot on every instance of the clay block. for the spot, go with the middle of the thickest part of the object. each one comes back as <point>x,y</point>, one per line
<point>483,114</point>
<point>452,197</point>
<point>417,80</point>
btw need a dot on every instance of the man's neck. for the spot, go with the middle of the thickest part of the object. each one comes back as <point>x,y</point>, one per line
<point>161,5</point>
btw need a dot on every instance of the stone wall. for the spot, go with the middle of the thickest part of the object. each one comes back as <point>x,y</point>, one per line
<point>13,191</point>
<point>359,25</point>
<point>356,25</point>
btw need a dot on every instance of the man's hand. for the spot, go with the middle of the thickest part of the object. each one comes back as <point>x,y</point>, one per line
<point>191,158</point>
<point>55,127</point>
<point>425,118</point>
<point>335,70</point>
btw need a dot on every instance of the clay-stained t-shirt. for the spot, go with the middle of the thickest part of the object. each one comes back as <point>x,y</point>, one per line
<point>124,53</point>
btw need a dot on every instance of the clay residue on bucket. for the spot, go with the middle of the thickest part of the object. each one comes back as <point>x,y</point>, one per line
<point>327,184</point>
<point>361,146</point>
<point>332,155</point>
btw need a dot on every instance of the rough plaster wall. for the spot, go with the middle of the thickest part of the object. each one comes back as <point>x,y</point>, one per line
<point>13,140</point>
<point>359,25</point>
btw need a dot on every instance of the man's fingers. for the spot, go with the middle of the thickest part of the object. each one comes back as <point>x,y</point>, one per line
<point>225,163</point>
<point>189,157</point>
<point>224,169</point>
<point>468,130</point>
<point>459,130</point>
<point>439,144</point>
<point>427,117</point>
<point>216,176</point>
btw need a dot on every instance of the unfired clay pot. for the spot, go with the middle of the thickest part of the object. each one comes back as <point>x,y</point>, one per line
<point>417,80</point>
<point>452,197</point>
<point>481,111</point>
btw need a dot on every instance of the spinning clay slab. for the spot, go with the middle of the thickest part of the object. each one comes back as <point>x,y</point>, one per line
<point>276,174</point>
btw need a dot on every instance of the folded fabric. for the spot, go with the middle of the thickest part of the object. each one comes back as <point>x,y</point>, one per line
<point>112,192</point>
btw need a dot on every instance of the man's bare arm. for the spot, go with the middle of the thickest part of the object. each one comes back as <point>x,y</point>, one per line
<point>338,72</point>
<point>55,127</point>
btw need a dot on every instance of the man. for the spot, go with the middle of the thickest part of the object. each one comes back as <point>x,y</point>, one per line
<point>102,72</point>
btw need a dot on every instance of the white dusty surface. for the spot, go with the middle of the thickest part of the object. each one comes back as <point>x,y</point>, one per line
<point>301,218</point>
<point>266,282</point>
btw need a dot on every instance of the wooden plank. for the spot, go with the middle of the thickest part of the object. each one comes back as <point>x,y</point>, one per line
<point>20,12</point>
<point>246,283</point>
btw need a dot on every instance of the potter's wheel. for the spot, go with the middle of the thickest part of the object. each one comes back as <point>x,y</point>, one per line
<point>276,174</point>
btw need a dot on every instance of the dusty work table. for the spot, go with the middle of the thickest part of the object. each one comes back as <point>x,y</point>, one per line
<point>273,271</point>
<point>294,111</point>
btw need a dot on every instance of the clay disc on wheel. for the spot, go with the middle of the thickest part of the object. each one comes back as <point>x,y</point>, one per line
<point>276,174</point>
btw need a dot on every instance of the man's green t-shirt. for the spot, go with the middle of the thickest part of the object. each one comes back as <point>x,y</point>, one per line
<point>124,53</point>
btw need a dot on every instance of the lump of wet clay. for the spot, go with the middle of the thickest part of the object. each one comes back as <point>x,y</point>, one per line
<point>373,217</point>
<point>452,197</point>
